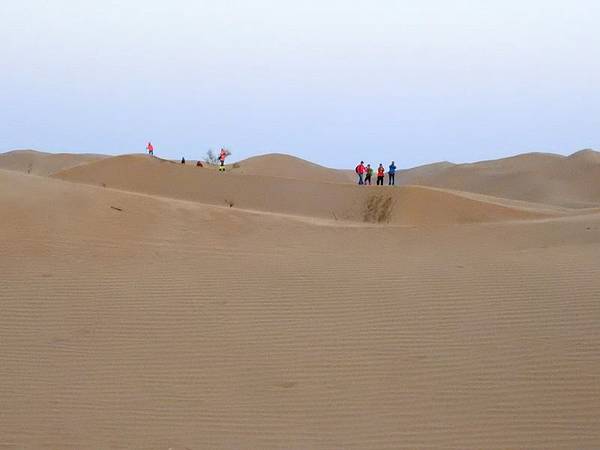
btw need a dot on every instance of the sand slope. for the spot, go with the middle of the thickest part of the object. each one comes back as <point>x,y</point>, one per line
<point>40,163</point>
<point>572,181</point>
<point>406,206</point>
<point>287,166</point>
<point>168,324</point>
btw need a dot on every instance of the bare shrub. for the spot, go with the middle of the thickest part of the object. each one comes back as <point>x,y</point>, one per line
<point>211,158</point>
<point>378,209</point>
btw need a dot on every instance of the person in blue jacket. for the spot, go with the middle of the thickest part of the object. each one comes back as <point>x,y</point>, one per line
<point>392,174</point>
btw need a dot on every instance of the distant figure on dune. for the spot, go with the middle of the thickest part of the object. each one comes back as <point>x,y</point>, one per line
<point>380,174</point>
<point>368,174</point>
<point>392,174</point>
<point>199,164</point>
<point>224,154</point>
<point>182,160</point>
<point>150,149</point>
<point>360,171</point>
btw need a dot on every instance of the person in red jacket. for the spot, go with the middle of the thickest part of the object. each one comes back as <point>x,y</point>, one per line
<point>224,154</point>
<point>360,171</point>
<point>150,149</point>
<point>380,174</point>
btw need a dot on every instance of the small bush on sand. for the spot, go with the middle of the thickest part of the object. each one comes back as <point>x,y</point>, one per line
<point>378,209</point>
<point>211,158</point>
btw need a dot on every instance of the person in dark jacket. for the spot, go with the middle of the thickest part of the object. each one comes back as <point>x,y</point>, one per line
<point>392,174</point>
<point>368,174</point>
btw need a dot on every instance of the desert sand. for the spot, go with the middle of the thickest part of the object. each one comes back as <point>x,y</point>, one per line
<point>151,305</point>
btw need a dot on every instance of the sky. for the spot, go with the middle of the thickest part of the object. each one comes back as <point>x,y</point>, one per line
<point>330,81</point>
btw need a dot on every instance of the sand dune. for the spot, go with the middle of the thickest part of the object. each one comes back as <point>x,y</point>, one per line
<point>420,173</point>
<point>533,177</point>
<point>541,178</point>
<point>40,163</point>
<point>536,177</point>
<point>410,205</point>
<point>153,305</point>
<point>133,321</point>
<point>286,166</point>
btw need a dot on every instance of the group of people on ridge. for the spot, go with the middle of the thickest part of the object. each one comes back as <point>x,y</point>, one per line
<point>366,172</point>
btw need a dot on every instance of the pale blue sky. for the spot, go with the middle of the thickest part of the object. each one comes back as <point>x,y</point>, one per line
<point>330,81</point>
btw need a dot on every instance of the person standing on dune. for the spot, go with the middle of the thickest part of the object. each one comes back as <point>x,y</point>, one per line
<point>392,174</point>
<point>369,173</point>
<point>360,171</point>
<point>224,154</point>
<point>150,149</point>
<point>380,174</point>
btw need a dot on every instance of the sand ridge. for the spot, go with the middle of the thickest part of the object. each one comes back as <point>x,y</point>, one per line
<point>542,178</point>
<point>408,205</point>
